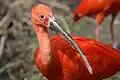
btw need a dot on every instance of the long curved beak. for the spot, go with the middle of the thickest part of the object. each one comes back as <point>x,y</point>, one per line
<point>55,27</point>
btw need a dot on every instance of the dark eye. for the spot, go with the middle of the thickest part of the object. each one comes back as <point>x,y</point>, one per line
<point>42,16</point>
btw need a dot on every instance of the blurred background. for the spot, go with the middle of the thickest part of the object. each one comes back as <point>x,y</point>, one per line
<point>18,41</point>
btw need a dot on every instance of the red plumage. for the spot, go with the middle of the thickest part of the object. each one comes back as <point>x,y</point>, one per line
<point>66,63</point>
<point>58,59</point>
<point>98,9</point>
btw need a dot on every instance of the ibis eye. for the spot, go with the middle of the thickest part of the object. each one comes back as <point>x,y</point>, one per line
<point>42,17</point>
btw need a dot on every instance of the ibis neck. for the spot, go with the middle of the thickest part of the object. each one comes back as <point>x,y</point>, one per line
<point>44,44</point>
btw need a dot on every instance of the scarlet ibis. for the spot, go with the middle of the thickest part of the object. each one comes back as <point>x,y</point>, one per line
<point>98,9</point>
<point>57,59</point>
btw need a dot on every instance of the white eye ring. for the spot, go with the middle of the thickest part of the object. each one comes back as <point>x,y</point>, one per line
<point>42,17</point>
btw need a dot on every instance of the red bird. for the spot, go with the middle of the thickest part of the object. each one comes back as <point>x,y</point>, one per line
<point>98,9</point>
<point>58,60</point>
